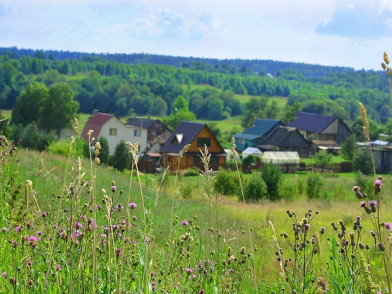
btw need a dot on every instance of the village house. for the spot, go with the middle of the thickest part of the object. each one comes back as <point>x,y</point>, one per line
<point>197,135</point>
<point>157,132</point>
<point>321,128</point>
<point>287,139</point>
<point>256,134</point>
<point>110,127</point>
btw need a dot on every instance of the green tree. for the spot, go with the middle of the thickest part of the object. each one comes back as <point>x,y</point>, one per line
<point>104,152</point>
<point>173,120</point>
<point>179,104</point>
<point>349,147</point>
<point>362,161</point>
<point>159,108</point>
<point>121,158</point>
<point>254,109</point>
<point>255,188</point>
<point>58,110</point>
<point>26,109</point>
<point>323,158</point>
<point>272,176</point>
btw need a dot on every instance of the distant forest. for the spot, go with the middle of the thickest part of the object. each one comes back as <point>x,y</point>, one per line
<point>145,84</point>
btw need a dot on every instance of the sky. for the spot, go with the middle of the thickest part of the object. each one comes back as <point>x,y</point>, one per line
<point>352,33</point>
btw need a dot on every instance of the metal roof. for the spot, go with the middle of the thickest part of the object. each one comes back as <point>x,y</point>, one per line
<point>312,122</point>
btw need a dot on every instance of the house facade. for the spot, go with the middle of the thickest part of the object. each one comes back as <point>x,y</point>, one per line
<point>110,127</point>
<point>197,135</point>
<point>157,132</point>
<point>256,134</point>
<point>321,127</point>
<point>287,139</point>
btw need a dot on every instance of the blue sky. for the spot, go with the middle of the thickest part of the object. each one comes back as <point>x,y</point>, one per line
<point>351,33</point>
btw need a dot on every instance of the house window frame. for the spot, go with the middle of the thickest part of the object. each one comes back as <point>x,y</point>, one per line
<point>137,133</point>
<point>203,141</point>
<point>113,132</point>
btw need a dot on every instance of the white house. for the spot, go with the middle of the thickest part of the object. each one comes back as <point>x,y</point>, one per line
<point>110,127</point>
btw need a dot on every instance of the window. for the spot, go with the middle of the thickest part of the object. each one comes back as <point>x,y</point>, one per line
<point>137,133</point>
<point>203,141</point>
<point>113,132</point>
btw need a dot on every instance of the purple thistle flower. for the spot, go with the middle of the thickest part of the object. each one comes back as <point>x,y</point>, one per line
<point>78,225</point>
<point>4,274</point>
<point>14,244</point>
<point>201,291</point>
<point>184,223</point>
<point>39,233</point>
<point>307,227</point>
<point>18,229</point>
<point>58,267</point>
<point>373,203</point>
<point>113,188</point>
<point>388,226</point>
<point>32,238</point>
<point>44,214</point>
<point>189,270</point>
<point>4,229</point>
<point>132,205</point>
<point>363,203</point>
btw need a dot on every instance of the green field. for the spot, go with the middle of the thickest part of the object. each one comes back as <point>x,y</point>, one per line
<point>224,222</point>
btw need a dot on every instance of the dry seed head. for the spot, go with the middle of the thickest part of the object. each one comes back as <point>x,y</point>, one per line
<point>75,125</point>
<point>182,152</point>
<point>97,160</point>
<point>72,139</point>
<point>386,59</point>
<point>388,71</point>
<point>383,65</point>
<point>29,183</point>
<point>41,167</point>
<point>89,133</point>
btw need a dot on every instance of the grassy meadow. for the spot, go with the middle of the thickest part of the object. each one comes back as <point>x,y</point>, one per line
<point>80,227</point>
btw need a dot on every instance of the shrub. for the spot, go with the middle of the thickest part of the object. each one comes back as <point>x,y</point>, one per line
<point>31,137</point>
<point>287,190</point>
<point>313,185</point>
<point>362,161</point>
<point>191,173</point>
<point>255,188</point>
<point>272,176</point>
<point>121,158</point>
<point>227,182</point>
<point>251,159</point>
<point>186,191</point>
<point>104,152</point>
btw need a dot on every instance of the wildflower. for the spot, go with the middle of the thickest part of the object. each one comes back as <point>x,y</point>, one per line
<point>201,291</point>
<point>377,185</point>
<point>118,252</point>
<point>78,225</point>
<point>388,226</point>
<point>380,246</point>
<point>18,229</point>
<point>184,223</point>
<point>363,203</point>
<point>44,214</point>
<point>113,189</point>
<point>373,205</point>
<point>322,230</point>
<point>357,191</point>
<point>132,205</point>
<point>32,238</point>
<point>4,274</point>
<point>307,227</point>
<point>58,267</point>
<point>14,244</point>
<point>12,281</point>
<point>189,270</point>
<point>4,229</point>
<point>39,233</point>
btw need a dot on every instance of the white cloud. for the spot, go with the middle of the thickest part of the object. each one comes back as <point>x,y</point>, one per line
<point>365,19</point>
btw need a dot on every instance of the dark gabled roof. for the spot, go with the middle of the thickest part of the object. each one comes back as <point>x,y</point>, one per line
<point>261,127</point>
<point>185,132</point>
<point>143,123</point>
<point>312,122</point>
<point>246,136</point>
<point>95,123</point>
<point>279,136</point>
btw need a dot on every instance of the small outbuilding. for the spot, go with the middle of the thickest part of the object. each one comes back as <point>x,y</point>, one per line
<point>252,151</point>
<point>281,158</point>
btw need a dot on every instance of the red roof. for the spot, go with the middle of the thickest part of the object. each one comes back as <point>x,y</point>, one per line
<point>95,123</point>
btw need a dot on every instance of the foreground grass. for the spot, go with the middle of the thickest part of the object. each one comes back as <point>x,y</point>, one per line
<point>214,228</point>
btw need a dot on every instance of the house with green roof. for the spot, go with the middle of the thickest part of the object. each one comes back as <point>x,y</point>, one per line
<point>256,134</point>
